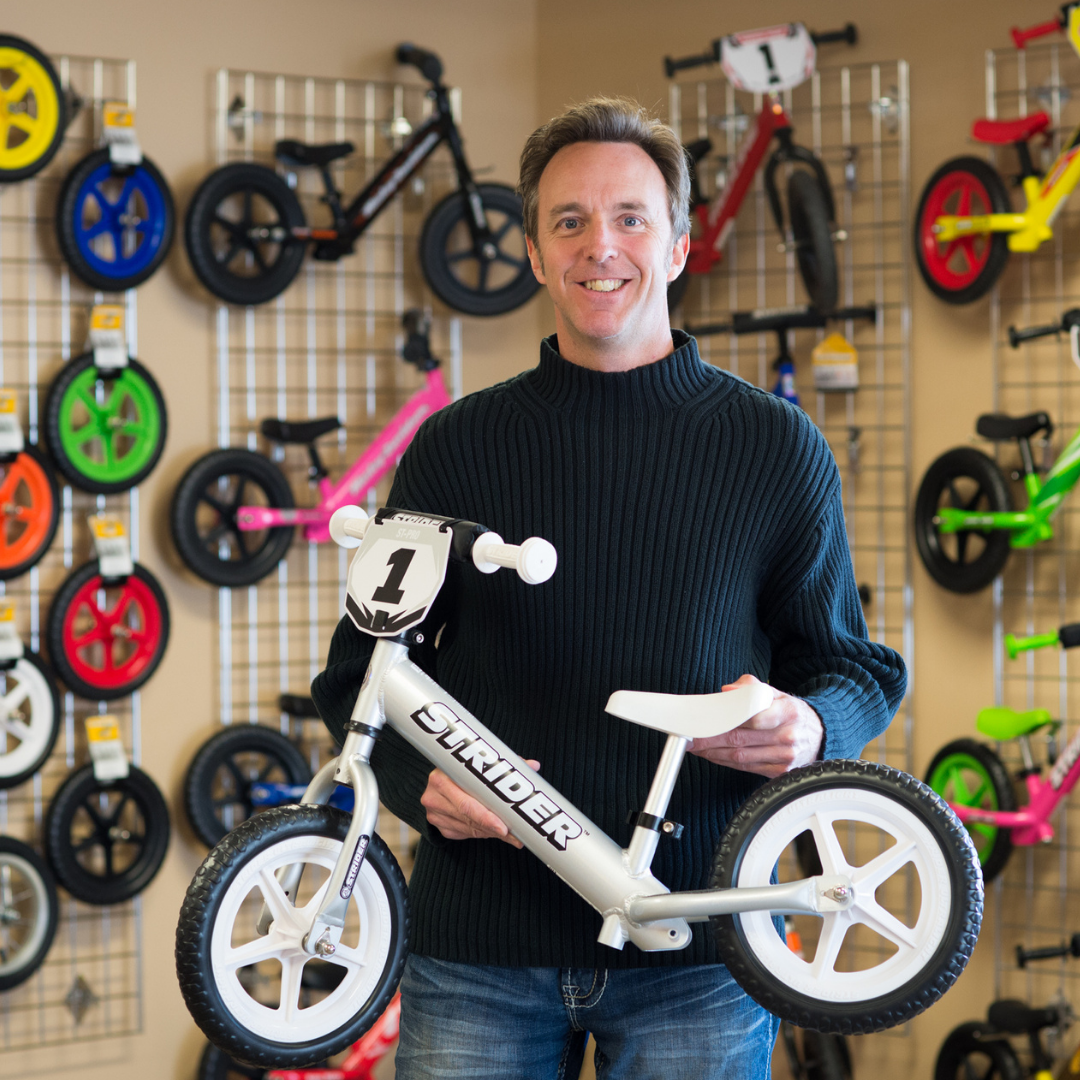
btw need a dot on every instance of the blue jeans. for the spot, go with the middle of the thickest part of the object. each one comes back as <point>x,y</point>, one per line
<point>503,1023</point>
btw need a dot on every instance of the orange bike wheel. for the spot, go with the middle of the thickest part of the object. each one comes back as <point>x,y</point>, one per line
<point>29,511</point>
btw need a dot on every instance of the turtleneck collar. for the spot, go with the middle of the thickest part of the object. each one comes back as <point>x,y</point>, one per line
<point>675,379</point>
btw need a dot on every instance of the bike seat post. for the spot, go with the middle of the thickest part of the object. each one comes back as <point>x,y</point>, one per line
<point>317,470</point>
<point>643,843</point>
<point>1024,742</point>
<point>1026,459</point>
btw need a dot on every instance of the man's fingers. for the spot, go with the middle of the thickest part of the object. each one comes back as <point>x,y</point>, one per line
<point>458,816</point>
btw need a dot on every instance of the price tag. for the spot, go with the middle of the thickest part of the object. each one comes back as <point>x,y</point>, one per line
<point>397,573</point>
<point>11,646</point>
<point>836,364</point>
<point>11,436</point>
<point>118,126</point>
<point>106,338</point>
<point>111,544</point>
<point>770,60</point>
<point>106,748</point>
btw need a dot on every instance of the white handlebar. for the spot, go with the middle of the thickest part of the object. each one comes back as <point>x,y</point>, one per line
<point>348,525</point>
<point>535,560</point>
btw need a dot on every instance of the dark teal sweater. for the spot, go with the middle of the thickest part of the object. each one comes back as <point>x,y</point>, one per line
<point>700,535</point>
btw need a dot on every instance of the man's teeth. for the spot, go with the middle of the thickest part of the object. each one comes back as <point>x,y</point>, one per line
<point>604,284</point>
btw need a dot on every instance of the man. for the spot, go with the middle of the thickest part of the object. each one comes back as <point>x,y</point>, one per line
<point>701,544</point>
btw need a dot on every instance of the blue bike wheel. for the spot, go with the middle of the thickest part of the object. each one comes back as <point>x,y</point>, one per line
<point>114,226</point>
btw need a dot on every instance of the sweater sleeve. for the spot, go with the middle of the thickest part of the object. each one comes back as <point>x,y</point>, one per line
<point>820,647</point>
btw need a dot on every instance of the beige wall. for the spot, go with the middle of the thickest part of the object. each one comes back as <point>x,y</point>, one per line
<point>517,61</point>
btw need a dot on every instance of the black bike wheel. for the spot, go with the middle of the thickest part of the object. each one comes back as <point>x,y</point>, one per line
<point>967,773</point>
<point>29,142</point>
<point>30,718</point>
<point>968,560</point>
<point>825,1057</point>
<point>251,1010</point>
<point>29,908</point>
<point>204,517</point>
<point>814,252</point>
<point>964,269</point>
<point>217,787</point>
<point>214,1065</point>
<point>463,278</point>
<point>972,1051</point>
<point>238,233</point>
<point>933,861</point>
<point>106,840</point>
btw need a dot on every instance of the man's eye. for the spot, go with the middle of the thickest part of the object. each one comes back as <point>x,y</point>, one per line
<point>631,221</point>
<point>569,223</point>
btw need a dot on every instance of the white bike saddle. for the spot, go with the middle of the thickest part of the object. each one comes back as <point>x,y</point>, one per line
<point>691,716</point>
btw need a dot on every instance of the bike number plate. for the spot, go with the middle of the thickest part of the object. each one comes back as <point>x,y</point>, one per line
<point>396,574</point>
<point>770,60</point>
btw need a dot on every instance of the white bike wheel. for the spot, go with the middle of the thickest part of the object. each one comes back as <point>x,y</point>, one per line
<point>29,718</point>
<point>28,912</point>
<point>916,888</point>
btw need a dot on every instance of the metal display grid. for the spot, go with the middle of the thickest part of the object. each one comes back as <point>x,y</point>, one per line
<point>330,344</point>
<point>1036,898</point>
<point>44,318</point>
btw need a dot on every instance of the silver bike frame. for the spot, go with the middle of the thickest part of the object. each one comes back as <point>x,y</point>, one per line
<point>617,882</point>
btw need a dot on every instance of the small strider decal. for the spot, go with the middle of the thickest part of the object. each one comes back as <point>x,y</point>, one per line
<point>354,867</point>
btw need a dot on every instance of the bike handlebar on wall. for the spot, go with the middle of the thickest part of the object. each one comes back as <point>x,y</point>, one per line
<point>427,63</point>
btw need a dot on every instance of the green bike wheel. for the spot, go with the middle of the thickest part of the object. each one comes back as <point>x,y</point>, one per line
<point>105,429</point>
<point>967,773</point>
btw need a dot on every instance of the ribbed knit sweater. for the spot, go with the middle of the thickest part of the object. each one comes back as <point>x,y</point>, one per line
<point>700,535</point>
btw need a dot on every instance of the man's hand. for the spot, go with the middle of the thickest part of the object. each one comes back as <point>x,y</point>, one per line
<point>776,740</point>
<point>458,816</point>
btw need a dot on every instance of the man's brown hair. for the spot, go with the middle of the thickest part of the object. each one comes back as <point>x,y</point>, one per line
<point>605,119</point>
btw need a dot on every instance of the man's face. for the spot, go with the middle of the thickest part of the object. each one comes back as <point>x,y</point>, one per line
<point>605,249</point>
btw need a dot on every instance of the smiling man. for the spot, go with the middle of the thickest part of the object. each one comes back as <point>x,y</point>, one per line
<point>701,544</point>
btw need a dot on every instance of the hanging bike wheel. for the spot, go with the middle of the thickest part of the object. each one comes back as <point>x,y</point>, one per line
<point>238,233</point>
<point>106,638</point>
<point>114,225</point>
<point>217,787</point>
<point>969,560</point>
<point>961,270</point>
<point>29,908</point>
<point>815,255</point>
<point>243,989</point>
<point>910,924</point>
<point>204,517</point>
<point>478,283</point>
<point>32,110</point>
<point>29,511</point>
<point>106,839</point>
<point>967,773</point>
<point>105,429</point>
<point>971,1051</point>
<point>29,718</point>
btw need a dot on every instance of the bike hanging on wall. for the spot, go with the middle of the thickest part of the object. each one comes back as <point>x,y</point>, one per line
<point>246,234</point>
<point>33,110</point>
<point>767,62</point>
<point>965,226</point>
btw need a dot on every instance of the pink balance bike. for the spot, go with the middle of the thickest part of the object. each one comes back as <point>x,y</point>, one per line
<point>233,514</point>
<point>971,777</point>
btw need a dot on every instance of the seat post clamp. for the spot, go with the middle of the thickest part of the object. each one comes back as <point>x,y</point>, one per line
<point>638,818</point>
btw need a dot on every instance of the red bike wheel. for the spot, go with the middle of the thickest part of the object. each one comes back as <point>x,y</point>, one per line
<point>106,638</point>
<point>29,511</point>
<point>961,270</point>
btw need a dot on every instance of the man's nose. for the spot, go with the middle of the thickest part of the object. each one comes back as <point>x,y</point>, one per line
<point>601,242</point>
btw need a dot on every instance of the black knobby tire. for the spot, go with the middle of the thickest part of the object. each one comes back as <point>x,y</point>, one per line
<point>56,638</point>
<point>462,291</point>
<point>997,847</point>
<point>970,480</point>
<point>20,959</point>
<point>826,1057</point>
<point>997,256</point>
<point>972,1050</point>
<point>53,418</point>
<point>79,803</point>
<point>810,227</point>
<point>10,176</point>
<point>214,1065</point>
<point>957,860</point>
<point>206,896</point>
<point>199,540</point>
<point>38,553</point>
<point>223,756</point>
<point>14,778</point>
<point>206,232</point>
<point>68,209</point>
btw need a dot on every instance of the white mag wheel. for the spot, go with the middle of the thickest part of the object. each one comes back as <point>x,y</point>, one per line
<point>29,718</point>
<point>916,900</point>
<point>261,998</point>
<point>28,912</point>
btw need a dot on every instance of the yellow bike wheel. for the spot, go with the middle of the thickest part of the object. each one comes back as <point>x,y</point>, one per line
<point>32,113</point>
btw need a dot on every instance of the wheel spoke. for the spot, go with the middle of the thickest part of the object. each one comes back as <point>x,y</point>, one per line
<point>963,203</point>
<point>834,929</point>
<point>962,538</point>
<point>518,264</point>
<point>274,895</point>
<point>292,970</point>
<point>830,852</point>
<point>870,913</point>
<point>260,948</point>
<point>14,698</point>
<point>482,277</point>
<point>869,876</point>
<point>348,957</point>
<point>468,253</point>
<point>961,794</point>
<point>223,510</point>
<point>15,728</point>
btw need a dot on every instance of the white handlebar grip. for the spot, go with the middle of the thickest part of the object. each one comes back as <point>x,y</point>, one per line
<point>348,525</point>
<point>536,560</point>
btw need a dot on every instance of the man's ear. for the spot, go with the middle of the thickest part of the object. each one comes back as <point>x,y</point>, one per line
<point>678,256</point>
<point>535,260</point>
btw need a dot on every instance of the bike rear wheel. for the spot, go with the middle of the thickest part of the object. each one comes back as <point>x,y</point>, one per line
<point>30,133</point>
<point>966,1053</point>
<point>814,252</point>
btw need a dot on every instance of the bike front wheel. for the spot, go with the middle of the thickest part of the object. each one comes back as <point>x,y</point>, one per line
<point>909,926</point>
<point>966,1052</point>
<point>478,282</point>
<point>968,560</point>
<point>814,251</point>
<point>243,989</point>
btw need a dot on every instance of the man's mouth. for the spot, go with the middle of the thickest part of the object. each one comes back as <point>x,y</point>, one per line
<point>604,284</point>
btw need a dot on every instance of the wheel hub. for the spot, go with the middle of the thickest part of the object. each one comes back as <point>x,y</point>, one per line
<point>118,833</point>
<point>9,915</point>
